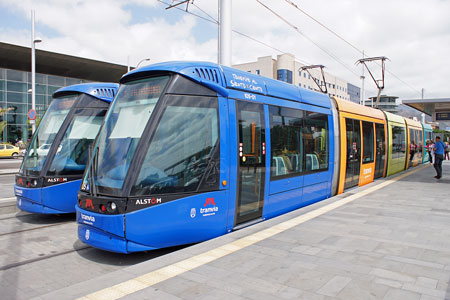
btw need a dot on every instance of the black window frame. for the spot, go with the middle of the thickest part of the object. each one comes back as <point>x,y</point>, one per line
<point>365,125</point>
<point>306,118</point>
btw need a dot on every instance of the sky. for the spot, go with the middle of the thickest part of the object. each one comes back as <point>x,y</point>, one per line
<point>413,34</point>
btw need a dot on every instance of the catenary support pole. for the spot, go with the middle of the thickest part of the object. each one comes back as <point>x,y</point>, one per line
<point>225,32</point>
<point>33,72</point>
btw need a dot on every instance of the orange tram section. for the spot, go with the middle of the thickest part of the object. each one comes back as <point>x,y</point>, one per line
<point>374,144</point>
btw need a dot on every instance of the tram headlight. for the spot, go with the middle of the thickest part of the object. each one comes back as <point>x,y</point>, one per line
<point>111,207</point>
<point>34,183</point>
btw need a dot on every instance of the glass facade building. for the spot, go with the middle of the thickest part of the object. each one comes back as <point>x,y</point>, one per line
<point>15,95</point>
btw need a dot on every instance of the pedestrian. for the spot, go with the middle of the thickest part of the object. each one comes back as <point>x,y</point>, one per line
<point>447,151</point>
<point>438,156</point>
<point>412,151</point>
<point>430,150</point>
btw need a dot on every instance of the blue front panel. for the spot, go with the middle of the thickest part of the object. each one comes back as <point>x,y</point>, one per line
<point>101,239</point>
<point>62,197</point>
<point>183,221</point>
<point>34,195</point>
<point>111,223</point>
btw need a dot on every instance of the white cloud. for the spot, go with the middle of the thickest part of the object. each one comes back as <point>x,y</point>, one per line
<point>414,35</point>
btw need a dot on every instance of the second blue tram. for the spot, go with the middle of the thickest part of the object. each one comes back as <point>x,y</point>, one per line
<point>190,151</point>
<point>51,172</point>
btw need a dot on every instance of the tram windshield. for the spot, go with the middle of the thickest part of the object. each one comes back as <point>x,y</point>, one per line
<point>45,135</point>
<point>72,153</point>
<point>123,129</point>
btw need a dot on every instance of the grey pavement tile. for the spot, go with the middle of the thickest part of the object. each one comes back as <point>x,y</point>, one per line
<point>395,248</point>
<point>388,282</point>
<point>397,294</point>
<point>388,274</point>
<point>177,286</point>
<point>268,251</point>
<point>436,256</point>
<point>213,272</point>
<point>423,290</point>
<point>334,286</point>
<point>336,263</point>
<point>150,294</point>
<point>241,261</point>
<point>422,271</point>
<point>427,282</point>
<point>251,283</point>
<point>415,262</point>
<point>427,297</point>
<point>308,280</point>
<point>361,289</point>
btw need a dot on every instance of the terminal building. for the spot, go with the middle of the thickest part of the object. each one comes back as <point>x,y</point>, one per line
<point>387,103</point>
<point>287,69</point>
<point>53,71</point>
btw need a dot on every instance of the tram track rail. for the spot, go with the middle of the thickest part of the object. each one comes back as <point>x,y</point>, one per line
<point>43,257</point>
<point>35,228</point>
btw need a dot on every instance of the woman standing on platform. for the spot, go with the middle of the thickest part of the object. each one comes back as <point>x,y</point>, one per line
<point>430,150</point>
<point>447,151</point>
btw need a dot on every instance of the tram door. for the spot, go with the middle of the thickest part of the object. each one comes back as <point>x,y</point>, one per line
<point>381,150</point>
<point>353,129</point>
<point>252,158</point>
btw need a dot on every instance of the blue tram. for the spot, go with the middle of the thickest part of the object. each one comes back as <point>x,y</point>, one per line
<point>51,171</point>
<point>191,151</point>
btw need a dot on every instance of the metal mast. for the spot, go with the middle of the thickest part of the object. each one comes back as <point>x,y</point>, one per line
<point>321,84</point>
<point>378,82</point>
<point>225,32</point>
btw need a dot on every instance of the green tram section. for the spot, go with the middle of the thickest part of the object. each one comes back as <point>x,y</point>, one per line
<point>397,138</point>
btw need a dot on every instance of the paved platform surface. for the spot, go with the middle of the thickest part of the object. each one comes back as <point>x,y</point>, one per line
<point>387,240</point>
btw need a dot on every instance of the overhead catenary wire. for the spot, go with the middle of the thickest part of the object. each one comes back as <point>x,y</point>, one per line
<point>308,38</point>
<point>347,42</point>
<point>213,20</point>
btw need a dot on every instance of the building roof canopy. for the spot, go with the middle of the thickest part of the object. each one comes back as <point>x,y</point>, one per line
<point>429,106</point>
<point>19,58</point>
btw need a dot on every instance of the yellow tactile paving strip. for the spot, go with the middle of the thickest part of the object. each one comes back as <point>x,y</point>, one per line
<point>144,281</point>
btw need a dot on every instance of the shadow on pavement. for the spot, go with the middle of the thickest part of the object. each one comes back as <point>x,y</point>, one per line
<point>38,219</point>
<point>120,259</point>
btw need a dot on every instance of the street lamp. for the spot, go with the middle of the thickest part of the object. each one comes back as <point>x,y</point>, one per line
<point>142,60</point>
<point>34,41</point>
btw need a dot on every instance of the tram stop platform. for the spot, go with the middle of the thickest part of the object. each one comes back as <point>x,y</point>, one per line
<point>387,240</point>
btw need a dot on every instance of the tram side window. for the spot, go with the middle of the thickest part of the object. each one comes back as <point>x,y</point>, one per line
<point>398,141</point>
<point>182,147</point>
<point>315,141</point>
<point>419,138</point>
<point>368,147</point>
<point>286,143</point>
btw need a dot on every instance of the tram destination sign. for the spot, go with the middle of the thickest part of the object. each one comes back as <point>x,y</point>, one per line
<point>443,116</point>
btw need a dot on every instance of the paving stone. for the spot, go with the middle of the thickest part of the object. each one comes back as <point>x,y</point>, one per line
<point>423,290</point>
<point>427,282</point>
<point>387,282</point>
<point>427,297</point>
<point>392,275</point>
<point>334,286</point>
<point>360,289</point>
<point>397,294</point>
